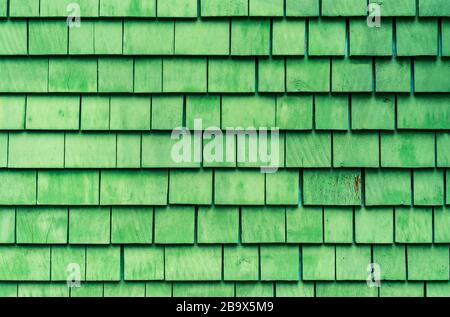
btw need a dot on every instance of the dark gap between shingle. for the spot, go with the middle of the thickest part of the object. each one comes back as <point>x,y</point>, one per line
<point>28,36</point>
<point>173,42</point>
<point>184,110</point>
<point>50,263</point>
<point>122,262</point>
<point>412,76</point>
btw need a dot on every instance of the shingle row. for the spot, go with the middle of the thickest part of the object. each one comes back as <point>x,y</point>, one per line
<point>164,150</point>
<point>226,263</point>
<point>293,112</point>
<point>238,37</point>
<point>224,225</point>
<point>384,187</point>
<point>222,75</point>
<point>226,289</point>
<point>216,8</point>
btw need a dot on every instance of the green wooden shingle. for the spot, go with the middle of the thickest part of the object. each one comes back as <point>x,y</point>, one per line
<point>134,155</point>
<point>41,225</point>
<point>89,225</point>
<point>318,263</point>
<point>204,37</point>
<point>241,263</point>
<point>175,225</point>
<point>254,219</point>
<point>131,225</point>
<point>143,263</point>
<point>56,187</point>
<point>374,225</point>
<point>280,263</point>
<point>338,225</point>
<point>388,187</point>
<point>342,187</point>
<point>304,225</point>
<point>7,225</point>
<point>250,37</point>
<point>326,37</point>
<point>217,225</point>
<point>188,263</point>
<point>13,37</point>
